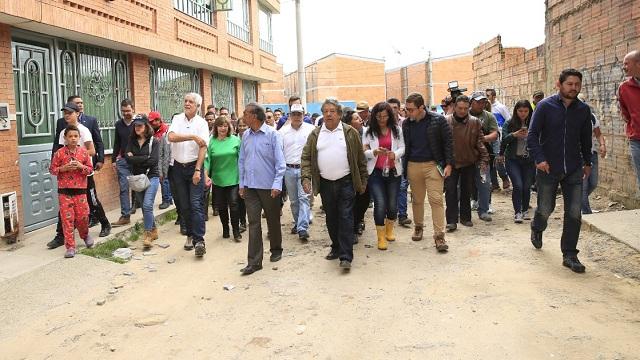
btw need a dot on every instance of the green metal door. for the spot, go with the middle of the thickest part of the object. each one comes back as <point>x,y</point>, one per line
<point>34,88</point>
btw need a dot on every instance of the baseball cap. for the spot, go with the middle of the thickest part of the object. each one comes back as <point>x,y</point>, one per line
<point>140,119</point>
<point>154,115</point>
<point>362,105</point>
<point>478,95</point>
<point>70,107</point>
<point>297,108</point>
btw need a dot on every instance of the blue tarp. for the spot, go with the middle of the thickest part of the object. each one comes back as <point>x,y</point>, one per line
<point>311,107</point>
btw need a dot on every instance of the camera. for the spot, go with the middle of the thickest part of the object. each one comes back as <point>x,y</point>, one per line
<point>455,90</point>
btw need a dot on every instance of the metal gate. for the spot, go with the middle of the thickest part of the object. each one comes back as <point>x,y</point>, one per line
<point>169,84</point>
<point>249,88</point>
<point>46,71</point>
<point>223,92</point>
<point>35,118</point>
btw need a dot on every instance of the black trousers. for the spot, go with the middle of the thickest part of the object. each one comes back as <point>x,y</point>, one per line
<point>338,199</point>
<point>226,201</point>
<point>360,207</point>
<point>464,178</point>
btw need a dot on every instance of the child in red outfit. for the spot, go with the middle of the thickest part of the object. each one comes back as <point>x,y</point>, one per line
<point>71,164</point>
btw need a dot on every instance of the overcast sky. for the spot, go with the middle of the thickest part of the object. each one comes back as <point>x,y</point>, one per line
<point>403,31</point>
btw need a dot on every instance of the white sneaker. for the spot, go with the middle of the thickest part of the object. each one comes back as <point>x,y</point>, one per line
<point>518,218</point>
<point>474,205</point>
<point>491,211</point>
<point>526,216</point>
<point>310,218</point>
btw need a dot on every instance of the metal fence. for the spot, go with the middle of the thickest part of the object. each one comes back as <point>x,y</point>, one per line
<point>238,31</point>
<point>169,84</point>
<point>197,9</point>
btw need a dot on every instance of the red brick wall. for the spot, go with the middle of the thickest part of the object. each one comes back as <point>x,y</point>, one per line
<point>593,37</point>
<point>140,86</point>
<point>9,167</point>
<point>515,73</point>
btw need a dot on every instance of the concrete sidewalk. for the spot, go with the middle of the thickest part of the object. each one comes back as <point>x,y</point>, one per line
<point>623,226</point>
<point>32,253</point>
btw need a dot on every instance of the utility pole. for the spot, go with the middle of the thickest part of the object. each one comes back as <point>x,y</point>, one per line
<point>302,82</point>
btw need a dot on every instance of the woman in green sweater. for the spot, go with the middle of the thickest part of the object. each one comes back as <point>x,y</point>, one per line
<point>221,165</point>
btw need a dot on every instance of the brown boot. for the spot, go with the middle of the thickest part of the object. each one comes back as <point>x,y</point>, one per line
<point>124,220</point>
<point>154,234</point>
<point>417,233</point>
<point>441,244</point>
<point>382,240</point>
<point>388,226</point>
<point>148,240</point>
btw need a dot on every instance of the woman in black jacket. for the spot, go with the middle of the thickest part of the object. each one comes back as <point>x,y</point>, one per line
<point>143,156</point>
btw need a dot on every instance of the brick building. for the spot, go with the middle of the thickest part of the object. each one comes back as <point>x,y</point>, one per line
<point>153,51</point>
<point>415,77</point>
<point>592,36</point>
<point>345,77</point>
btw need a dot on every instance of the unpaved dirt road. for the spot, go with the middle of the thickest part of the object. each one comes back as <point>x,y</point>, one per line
<point>491,297</point>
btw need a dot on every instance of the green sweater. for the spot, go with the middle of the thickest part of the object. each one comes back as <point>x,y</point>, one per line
<point>221,163</point>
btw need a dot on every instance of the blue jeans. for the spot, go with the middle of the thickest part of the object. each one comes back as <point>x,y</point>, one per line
<point>338,199</point>
<point>149,197</point>
<point>190,198</point>
<point>589,184</point>
<point>402,197</point>
<point>384,191</point>
<point>571,184</point>
<point>166,191</point>
<point>484,191</point>
<point>634,147</point>
<point>521,171</point>
<point>298,198</point>
<point>122,168</point>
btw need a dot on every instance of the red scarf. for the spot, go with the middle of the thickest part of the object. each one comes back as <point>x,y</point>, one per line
<point>161,131</point>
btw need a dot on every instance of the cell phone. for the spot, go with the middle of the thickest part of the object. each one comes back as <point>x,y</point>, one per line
<point>440,170</point>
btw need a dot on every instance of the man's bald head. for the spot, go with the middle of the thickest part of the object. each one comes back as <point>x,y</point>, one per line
<point>631,64</point>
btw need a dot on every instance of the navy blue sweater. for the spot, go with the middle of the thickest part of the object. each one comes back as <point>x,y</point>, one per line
<point>561,135</point>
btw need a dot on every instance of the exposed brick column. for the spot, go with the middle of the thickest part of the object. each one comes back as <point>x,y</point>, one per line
<point>9,167</point>
<point>140,86</point>
<point>239,96</point>
<point>205,89</point>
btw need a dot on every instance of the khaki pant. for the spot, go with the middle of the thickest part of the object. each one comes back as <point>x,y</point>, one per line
<point>424,178</point>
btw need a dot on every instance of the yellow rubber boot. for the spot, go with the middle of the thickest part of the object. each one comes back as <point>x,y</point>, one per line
<point>388,226</point>
<point>382,240</point>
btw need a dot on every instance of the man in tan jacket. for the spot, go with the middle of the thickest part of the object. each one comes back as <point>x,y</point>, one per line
<point>333,160</point>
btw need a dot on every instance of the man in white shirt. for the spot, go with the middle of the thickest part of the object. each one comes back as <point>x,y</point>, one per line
<point>294,137</point>
<point>189,138</point>
<point>333,159</point>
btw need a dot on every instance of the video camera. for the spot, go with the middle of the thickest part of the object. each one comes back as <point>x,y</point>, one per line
<point>455,90</point>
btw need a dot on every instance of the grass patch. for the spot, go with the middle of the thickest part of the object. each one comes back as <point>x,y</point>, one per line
<point>105,250</point>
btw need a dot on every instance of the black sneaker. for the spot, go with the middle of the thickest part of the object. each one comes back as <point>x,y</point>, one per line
<point>404,221</point>
<point>303,235</point>
<point>452,227</point>
<point>225,233</point>
<point>536,239</point>
<point>164,205</point>
<point>105,231</point>
<point>200,250</point>
<point>56,242</point>
<point>573,263</point>
<point>243,227</point>
<point>294,230</point>
<point>93,222</point>
<point>275,257</point>
<point>345,264</point>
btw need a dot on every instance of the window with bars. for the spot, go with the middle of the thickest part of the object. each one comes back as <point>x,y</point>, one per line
<point>239,21</point>
<point>169,84</point>
<point>249,91</point>
<point>198,9</point>
<point>223,92</point>
<point>266,35</point>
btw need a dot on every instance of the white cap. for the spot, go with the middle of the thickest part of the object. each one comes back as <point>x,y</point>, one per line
<point>297,108</point>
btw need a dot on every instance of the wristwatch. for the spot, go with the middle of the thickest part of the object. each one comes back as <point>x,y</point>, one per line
<point>196,170</point>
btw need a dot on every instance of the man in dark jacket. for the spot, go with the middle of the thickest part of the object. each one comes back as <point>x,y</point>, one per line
<point>559,141</point>
<point>96,211</point>
<point>427,164</point>
<point>123,132</point>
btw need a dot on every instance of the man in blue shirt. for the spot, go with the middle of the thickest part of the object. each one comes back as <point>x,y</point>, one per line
<point>261,166</point>
<point>559,141</point>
